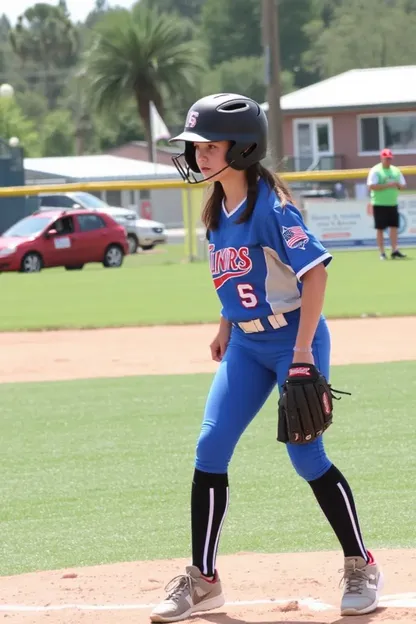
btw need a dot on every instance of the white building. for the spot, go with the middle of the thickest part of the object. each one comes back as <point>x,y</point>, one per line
<point>162,205</point>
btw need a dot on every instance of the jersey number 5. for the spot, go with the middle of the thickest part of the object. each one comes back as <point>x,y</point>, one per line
<point>247,296</point>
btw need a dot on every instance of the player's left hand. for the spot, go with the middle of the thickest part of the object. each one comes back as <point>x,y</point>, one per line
<point>303,357</point>
<point>305,405</point>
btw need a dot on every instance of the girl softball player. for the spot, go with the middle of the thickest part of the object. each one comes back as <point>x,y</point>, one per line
<point>270,275</point>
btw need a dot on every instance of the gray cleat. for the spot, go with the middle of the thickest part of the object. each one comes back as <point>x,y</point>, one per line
<point>363,582</point>
<point>187,594</point>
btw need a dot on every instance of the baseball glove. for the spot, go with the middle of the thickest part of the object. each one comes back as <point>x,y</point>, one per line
<point>305,405</point>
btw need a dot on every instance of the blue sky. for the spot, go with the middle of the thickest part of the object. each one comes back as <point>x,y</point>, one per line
<point>79,9</point>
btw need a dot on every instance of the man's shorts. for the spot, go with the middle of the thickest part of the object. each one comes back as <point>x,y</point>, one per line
<point>385,217</point>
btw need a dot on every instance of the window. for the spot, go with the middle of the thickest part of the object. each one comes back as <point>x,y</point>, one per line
<point>322,133</point>
<point>88,200</point>
<point>88,223</point>
<point>56,201</point>
<point>370,135</point>
<point>64,225</point>
<point>47,201</point>
<point>400,132</point>
<point>397,132</point>
<point>114,198</point>
<point>312,140</point>
<point>27,226</point>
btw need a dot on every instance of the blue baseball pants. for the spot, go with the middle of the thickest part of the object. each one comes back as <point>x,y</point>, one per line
<point>251,368</point>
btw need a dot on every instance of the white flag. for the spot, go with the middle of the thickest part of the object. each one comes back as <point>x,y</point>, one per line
<point>158,126</point>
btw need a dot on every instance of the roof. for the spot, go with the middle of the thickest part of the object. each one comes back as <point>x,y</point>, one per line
<point>100,167</point>
<point>388,87</point>
<point>54,212</point>
<point>51,212</point>
<point>138,150</point>
<point>169,149</point>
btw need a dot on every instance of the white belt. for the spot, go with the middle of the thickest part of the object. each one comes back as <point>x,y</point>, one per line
<point>257,325</point>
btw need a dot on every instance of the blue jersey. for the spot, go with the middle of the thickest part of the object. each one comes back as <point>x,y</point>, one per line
<point>256,266</point>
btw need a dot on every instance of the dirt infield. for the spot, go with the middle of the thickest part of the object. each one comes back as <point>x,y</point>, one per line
<point>263,589</point>
<point>289,588</point>
<point>47,356</point>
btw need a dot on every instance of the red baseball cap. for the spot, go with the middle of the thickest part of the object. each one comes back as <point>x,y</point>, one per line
<point>386,153</point>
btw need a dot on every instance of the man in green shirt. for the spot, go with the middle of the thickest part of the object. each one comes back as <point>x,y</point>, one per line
<point>385,181</point>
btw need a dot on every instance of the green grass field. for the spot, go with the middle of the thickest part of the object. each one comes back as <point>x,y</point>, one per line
<point>162,288</point>
<point>99,471</point>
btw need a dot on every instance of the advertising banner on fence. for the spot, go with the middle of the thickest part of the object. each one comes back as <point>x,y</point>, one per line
<point>350,223</point>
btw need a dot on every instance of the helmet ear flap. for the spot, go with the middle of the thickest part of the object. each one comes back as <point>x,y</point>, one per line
<point>190,157</point>
<point>241,156</point>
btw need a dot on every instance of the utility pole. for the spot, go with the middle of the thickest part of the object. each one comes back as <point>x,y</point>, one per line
<point>271,46</point>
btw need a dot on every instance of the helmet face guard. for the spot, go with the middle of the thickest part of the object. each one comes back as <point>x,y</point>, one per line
<point>187,166</point>
<point>223,117</point>
<point>184,169</point>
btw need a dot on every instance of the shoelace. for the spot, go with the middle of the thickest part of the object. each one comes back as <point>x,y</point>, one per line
<point>177,585</point>
<point>354,580</point>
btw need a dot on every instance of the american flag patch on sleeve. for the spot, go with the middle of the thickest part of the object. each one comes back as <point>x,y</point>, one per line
<point>295,237</point>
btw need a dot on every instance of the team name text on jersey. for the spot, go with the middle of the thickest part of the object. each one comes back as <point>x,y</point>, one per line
<point>228,263</point>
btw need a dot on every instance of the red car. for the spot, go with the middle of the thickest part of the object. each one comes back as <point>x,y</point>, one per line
<point>59,238</point>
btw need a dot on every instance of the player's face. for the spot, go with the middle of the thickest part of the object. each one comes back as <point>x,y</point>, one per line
<point>386,162</point>
<point>210,158</point>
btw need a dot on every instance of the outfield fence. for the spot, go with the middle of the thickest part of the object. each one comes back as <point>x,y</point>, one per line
<point>334,204</point>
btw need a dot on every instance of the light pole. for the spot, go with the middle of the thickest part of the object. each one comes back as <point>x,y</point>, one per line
<point>6,93</point>
<point>6,90</point>
<point>12,171</point>
<point>271,45</point>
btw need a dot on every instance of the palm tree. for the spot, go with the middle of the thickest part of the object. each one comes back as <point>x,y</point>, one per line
<point>144,54</point>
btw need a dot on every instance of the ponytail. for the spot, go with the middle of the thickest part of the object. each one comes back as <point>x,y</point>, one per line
<point>274,182</point>
<point>213,206</point>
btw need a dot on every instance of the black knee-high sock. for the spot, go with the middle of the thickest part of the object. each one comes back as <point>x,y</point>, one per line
<point>209,503</point>
<point>336,501</point>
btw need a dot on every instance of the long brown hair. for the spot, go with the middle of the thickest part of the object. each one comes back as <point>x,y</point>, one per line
<point>213,205</point>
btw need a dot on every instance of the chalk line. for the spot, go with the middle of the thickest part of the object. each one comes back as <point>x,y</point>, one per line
<point>314,605</point>
<point>405,601</point>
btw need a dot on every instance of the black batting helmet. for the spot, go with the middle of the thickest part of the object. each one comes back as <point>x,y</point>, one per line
<point>224,117</point>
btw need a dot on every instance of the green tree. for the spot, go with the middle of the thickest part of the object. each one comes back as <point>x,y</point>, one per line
<point>243,75</point>
<point>363,34</point>
<point>128,127</point>
<point>9,65</point>
<point>324,9</point>
<point>4,48</point>
<point>186,8</point>
<point>34,105</point>
<point>232,29</point>
<point>143,55</point>
<point>294,15</point>
<point>58,134</point>
<point>45,36</point>
<point>97,131</point>
<point>13,123</point>
<point>94,16</point>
